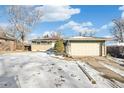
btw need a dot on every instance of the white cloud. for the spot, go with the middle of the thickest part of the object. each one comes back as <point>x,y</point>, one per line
<point>57,13</point>
<point>104,26</point>
<point>75,25</point>
<point>107,26</point>
<point>87,24</point>
<point>122,9</point>
<point>85,27</point>
<point>108,36</point>
<point>33,36</point>
<point>4,24</point>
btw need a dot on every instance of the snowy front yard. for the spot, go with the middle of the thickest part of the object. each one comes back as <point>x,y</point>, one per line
<point>40,70</point>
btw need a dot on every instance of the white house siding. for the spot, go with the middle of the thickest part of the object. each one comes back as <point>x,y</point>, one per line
<point>103,49</point>
<point>53,44</point>
<point>41,47</point>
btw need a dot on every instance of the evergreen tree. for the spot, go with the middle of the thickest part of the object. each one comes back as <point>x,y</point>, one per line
<point>59,46</point>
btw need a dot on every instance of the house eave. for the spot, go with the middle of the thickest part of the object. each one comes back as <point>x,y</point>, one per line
<point>7,38</point>
<point>88,39</point>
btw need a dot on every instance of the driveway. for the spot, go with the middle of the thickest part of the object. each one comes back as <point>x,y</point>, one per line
<point>40,70</point>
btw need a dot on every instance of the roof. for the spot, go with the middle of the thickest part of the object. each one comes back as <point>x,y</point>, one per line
<point>44,39</point>
<point>78,38</point>
<point>5,37</point>
<point>81,38</point>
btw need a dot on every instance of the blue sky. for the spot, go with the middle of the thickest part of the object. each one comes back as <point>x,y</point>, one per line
<point>99,18</point>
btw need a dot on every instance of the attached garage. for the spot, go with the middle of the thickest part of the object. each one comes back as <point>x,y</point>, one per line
<point>86,46</point>
<point>85,49</point>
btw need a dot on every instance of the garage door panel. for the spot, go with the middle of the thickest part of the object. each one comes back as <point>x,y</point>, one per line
<point>85,49</point>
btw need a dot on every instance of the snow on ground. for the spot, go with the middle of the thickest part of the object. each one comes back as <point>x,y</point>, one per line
<point>117,60</point>
<point>40,70</point>
<point>115,69</point>
<point>36,69</point>
<point>100,81</point>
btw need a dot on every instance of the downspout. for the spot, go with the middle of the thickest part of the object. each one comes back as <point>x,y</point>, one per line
<point>67,47</point>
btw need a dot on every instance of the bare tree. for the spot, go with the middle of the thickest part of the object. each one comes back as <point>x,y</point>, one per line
<point>2,32</point>
<point>52,35</point>
<point>88,32</point>
<point>22,19</point>
<point>118,30</point>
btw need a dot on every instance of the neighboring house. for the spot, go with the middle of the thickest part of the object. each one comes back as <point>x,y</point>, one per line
<point>42,44</point>
<point>74,46</point>
<point>6,43</point>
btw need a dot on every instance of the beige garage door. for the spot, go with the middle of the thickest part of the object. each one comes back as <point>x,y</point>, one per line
<point>85,49</point>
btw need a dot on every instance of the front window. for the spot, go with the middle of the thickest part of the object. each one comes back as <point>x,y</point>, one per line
<point>38,43</point>
<point>41,42</point>
<point>33,42</point>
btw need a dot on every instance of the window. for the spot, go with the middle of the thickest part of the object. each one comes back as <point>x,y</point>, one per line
<point>41,42</point>
<point>38,43</point>
<point>46,42</point>
<point>34,42</point>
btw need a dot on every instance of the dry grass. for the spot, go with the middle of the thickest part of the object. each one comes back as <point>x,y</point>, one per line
<point>94,62</point>
<point>109,74</point>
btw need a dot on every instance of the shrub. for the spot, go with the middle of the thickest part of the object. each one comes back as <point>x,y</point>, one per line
<point>59,46</point>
